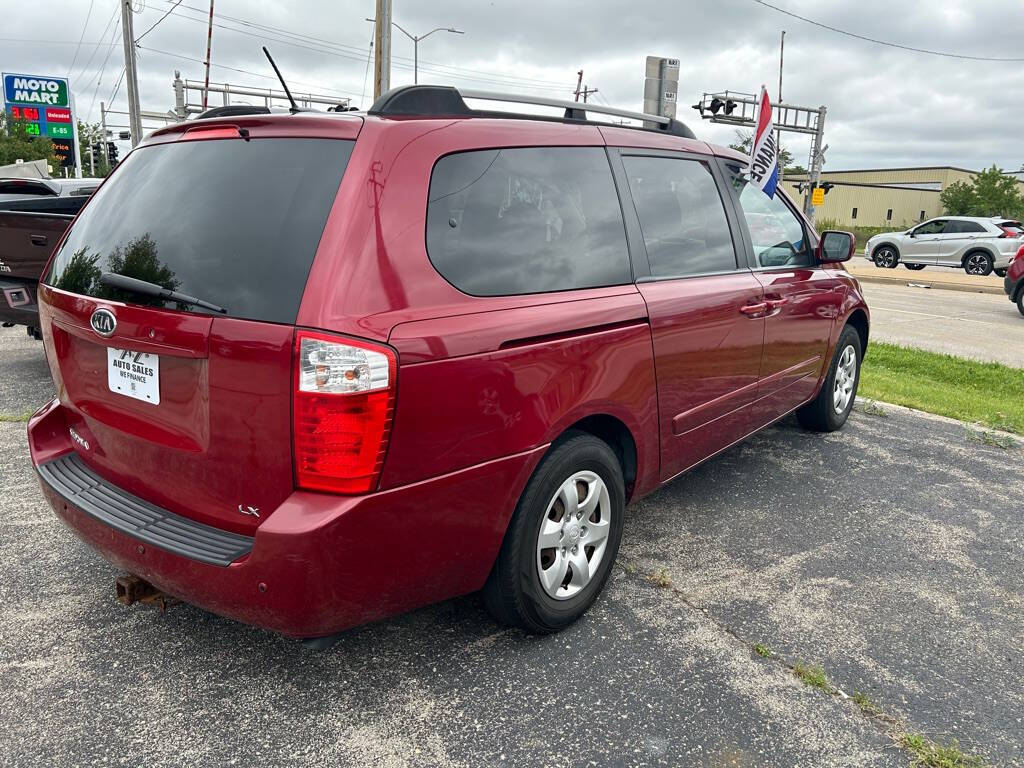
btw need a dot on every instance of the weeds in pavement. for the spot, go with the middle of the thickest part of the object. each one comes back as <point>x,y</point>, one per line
<point>813,676</point>
<point>660,578</point>
<point>994,439</point>
<point>866,704</point>
<point>928,754</point>
<point>15,417</point>
<point>872,408</point>
<point>763,650</point>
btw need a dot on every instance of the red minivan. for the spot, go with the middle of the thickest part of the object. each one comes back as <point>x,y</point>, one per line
<point>316,369</point>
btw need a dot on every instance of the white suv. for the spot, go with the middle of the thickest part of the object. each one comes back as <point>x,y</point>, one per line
<point>977,245</point>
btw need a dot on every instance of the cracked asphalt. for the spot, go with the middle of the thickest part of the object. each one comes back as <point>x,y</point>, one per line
<point>890,553</point>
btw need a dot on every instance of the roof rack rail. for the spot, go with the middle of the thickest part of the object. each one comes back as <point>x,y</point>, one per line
<point>440,100</point>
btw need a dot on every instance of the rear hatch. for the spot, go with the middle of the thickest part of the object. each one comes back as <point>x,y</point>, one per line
<point>180,404</point>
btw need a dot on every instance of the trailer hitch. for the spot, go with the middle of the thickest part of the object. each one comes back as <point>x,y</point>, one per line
<point>131,589</point>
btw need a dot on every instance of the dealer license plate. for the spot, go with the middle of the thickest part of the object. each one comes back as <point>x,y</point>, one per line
<point>135,374</point>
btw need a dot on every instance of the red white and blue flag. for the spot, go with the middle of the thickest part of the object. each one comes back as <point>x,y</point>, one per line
<point>764,150</point>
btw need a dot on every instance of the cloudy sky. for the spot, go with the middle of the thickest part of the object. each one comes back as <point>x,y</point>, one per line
<point>886,106</point>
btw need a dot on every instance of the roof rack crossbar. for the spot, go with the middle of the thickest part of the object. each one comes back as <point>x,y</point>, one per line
<point>439,100</point>
<point>473,93</point>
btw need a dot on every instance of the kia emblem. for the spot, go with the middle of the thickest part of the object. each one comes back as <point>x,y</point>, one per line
<point>103,322</point>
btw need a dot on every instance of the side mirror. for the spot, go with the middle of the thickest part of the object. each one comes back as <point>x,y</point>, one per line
<point>910,233</point>
<point>835,246</point>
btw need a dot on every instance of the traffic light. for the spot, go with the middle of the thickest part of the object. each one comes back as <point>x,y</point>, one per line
<point>715,105</point>
<point>112,153</point>
<point>97,151</point>
<point>730,106</point>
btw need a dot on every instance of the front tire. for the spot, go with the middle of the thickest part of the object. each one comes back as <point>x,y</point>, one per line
<point>1000,272</point>
<point>562,540</point>
<point>914,267</point>
<point>887,257</point>
<point>831,408</point>
<point>978,263</point>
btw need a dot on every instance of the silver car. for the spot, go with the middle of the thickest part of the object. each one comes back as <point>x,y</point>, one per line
<point>977,245</point>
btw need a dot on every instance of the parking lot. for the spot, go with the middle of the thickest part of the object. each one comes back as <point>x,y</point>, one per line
<point>890,553</point>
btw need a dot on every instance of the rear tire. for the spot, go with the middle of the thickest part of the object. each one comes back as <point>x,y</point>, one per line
<point>1000,272</point>
<point>886,257</point>
<point>831,408</point>
<point>545,589</point>
<point>978,263</point>
<point>914,267</point>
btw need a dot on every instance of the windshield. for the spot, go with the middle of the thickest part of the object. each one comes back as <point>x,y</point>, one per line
<point>234,222</point>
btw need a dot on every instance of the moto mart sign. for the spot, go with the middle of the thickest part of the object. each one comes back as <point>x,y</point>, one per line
<point>32,90</point>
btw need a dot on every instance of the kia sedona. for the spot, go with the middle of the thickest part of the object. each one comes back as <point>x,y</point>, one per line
<point>378,360</point>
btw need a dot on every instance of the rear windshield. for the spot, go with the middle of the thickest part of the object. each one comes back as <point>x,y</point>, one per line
<point>235,223</point>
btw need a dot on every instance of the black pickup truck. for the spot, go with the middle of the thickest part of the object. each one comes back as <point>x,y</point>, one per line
<point>34,213</point>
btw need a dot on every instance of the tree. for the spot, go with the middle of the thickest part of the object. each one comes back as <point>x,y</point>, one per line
<point>744,140</point>
<point>17,144</point>
<point>89,134</point>
<point>990,193</point>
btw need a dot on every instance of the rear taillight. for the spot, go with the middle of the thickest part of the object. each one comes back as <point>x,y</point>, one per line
<point>1020,254</point>
<point>344,402</point>
<point>1007,232</point>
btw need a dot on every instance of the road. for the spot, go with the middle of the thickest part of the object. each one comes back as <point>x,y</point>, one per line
<point>977,325</point>
<point>870,552</point>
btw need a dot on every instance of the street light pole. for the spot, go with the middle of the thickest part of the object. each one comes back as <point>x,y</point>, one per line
<point>416,44</point>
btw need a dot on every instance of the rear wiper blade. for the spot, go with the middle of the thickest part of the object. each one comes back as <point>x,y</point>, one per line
<point>146,288</point>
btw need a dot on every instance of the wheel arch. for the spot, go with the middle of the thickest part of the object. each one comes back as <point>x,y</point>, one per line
<point>858,319</point>
<point>617,435</point>
<point>884,244</point>
<point>977,249</point>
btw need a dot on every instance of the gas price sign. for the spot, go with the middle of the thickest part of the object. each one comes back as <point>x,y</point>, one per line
<point>44,105</point>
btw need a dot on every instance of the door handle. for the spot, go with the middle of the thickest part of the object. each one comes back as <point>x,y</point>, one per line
<point>774,304</point>
<point>753,310</point>
<point>37,239</point>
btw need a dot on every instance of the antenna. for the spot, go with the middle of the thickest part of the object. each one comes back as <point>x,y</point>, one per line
<point>294,107</point>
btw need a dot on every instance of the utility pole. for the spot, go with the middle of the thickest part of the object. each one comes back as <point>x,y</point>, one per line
<point>131,73</point>
<point>579,79</point>
<point>586,92</point>
<point>209,45</point>
<point>382,50</point>
<point>778,131</point>
<point>817,160</point>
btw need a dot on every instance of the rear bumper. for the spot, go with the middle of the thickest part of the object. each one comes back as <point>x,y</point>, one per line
<point>1011,285</point>
<point>320,563</point>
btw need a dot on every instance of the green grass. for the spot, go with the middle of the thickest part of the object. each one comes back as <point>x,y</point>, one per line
<point>763,650</point>
<point>928,754</point>
<point>867,705</point>
<point>991,394</point>
<point>813,676</point>
<point>15,417</point>
<point>660,578</point>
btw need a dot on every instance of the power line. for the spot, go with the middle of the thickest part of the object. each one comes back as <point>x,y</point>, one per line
<point>166,14</point>
<point>243,71</point>
<point>354,53</point>
<point>103,68</point>
<point>81,37</point>
<point>99,44</point>
<point>885,42</point>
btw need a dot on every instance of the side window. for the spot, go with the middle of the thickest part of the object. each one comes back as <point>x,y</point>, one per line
<point>932,227</point>
<point>512,221</point>
<point>963,227</point>
<point>775,231</point>
<point>682,216</point>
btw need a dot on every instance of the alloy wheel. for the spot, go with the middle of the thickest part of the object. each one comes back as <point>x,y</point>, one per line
<point>846,377</point>
<point>573,535</point>
<point>977,264</point>
<point>886,257</point>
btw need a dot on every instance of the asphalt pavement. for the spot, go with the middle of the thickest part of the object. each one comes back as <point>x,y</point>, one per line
<point>976,325</point>
<point>891,553</point>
